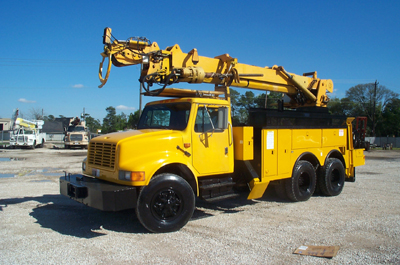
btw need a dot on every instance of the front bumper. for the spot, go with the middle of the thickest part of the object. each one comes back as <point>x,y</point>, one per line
<point>99,194</point>
<point>76,143</point>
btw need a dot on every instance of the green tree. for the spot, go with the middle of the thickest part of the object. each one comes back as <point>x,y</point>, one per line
<point>234,96</point>
<point>133,120</point>
<point>343,106</point>
<point>272,100</point>
<point>121,122</point>
<point>369,102</point>
<point>110,121</point>
<point>92,124</point>
<point>241,103</point>
<point>49,118</point>
<point>391,119</point>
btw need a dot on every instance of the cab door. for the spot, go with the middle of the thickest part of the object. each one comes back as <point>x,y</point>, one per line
<point>212,140</point>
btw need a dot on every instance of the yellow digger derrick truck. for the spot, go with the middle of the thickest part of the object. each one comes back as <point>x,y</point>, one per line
<point>186,146</point>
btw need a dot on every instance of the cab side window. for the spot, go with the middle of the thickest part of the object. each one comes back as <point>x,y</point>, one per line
<point>211,119</point>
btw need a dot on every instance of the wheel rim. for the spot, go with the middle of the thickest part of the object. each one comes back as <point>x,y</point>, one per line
<point>304,183</point>
<point>166,205</point>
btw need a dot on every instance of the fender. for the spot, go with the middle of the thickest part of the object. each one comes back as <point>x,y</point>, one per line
<point>310,157</point>
<point>335,154</point>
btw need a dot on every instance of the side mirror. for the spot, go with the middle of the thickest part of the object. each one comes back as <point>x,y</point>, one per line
<point>222,118</point>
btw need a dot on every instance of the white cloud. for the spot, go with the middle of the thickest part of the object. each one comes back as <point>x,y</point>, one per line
<point>78,86</point>
<point>122,107</point>
<point>23,100</point>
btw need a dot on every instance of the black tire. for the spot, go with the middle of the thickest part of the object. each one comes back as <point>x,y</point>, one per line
<point>42,144</point>
<point>301,186</point>
<point>331,178</point>
<point>34,145</point>
<point>166,204</point>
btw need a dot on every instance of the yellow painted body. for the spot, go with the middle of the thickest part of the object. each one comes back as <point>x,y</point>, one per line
<point>149,150</point>
<point>213,153</point>
<point>281,149</point>
<point>221,70</point>
<point>244,143</point>
<point>208,152</point>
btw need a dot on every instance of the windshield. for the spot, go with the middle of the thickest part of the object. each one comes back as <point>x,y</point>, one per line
<point>22,131</point>
<point>76,128</point>
<point>172,116</point>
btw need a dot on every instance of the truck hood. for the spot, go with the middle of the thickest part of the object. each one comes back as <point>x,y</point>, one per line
<point>120,137</point>
<point>134,150</point>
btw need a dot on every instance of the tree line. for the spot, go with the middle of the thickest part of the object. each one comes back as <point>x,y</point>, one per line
<point>379,104</point>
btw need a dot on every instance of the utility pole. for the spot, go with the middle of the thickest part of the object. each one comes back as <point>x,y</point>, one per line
<point>266,99</point>
<point>140,92</point>
<point>373,110</point>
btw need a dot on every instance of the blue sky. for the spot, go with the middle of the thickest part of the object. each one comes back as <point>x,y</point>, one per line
<point>51,49</point>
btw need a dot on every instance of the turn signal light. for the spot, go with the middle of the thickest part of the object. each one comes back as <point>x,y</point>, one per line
<point>137,176</point>
<point>132,176</point>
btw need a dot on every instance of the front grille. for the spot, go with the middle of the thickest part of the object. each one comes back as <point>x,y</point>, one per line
<point>22,139</point>
<point>76,137</point>
<point>102,154</point>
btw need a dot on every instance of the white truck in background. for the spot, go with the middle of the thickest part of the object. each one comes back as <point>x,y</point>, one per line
<point>27,133</point>
<point>77,134</point>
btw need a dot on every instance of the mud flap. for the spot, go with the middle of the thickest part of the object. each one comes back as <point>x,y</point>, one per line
<point>257,189</point>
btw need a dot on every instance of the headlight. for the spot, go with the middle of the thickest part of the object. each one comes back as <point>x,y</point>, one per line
<point>84,164</point>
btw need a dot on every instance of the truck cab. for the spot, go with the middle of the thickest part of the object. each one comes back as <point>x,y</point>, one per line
<point>76,135</point>
<point>194,134</point>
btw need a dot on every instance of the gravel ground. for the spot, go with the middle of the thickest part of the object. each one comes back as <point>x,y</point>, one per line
<point>39,226</point>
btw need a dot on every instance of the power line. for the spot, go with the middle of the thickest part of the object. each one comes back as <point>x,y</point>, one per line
<point>40,60</point>
<point>20,62</point>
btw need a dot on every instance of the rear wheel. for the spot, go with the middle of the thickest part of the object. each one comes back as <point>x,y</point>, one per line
<point>301,186</point>
<point>331,178</point>
<point>166,204</point>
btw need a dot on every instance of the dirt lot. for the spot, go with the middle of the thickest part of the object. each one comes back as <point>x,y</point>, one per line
<point>39,226</point>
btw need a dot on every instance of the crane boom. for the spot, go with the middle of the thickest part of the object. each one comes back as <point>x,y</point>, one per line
<point>29,124</point>
<point>171,65</point>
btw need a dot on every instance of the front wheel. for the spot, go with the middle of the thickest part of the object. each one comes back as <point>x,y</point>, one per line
<point>301,186</point>
<point>166,204</point>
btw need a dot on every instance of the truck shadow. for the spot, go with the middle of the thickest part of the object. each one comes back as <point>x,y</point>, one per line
<point>68,217</point>
<point>233,205</point>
